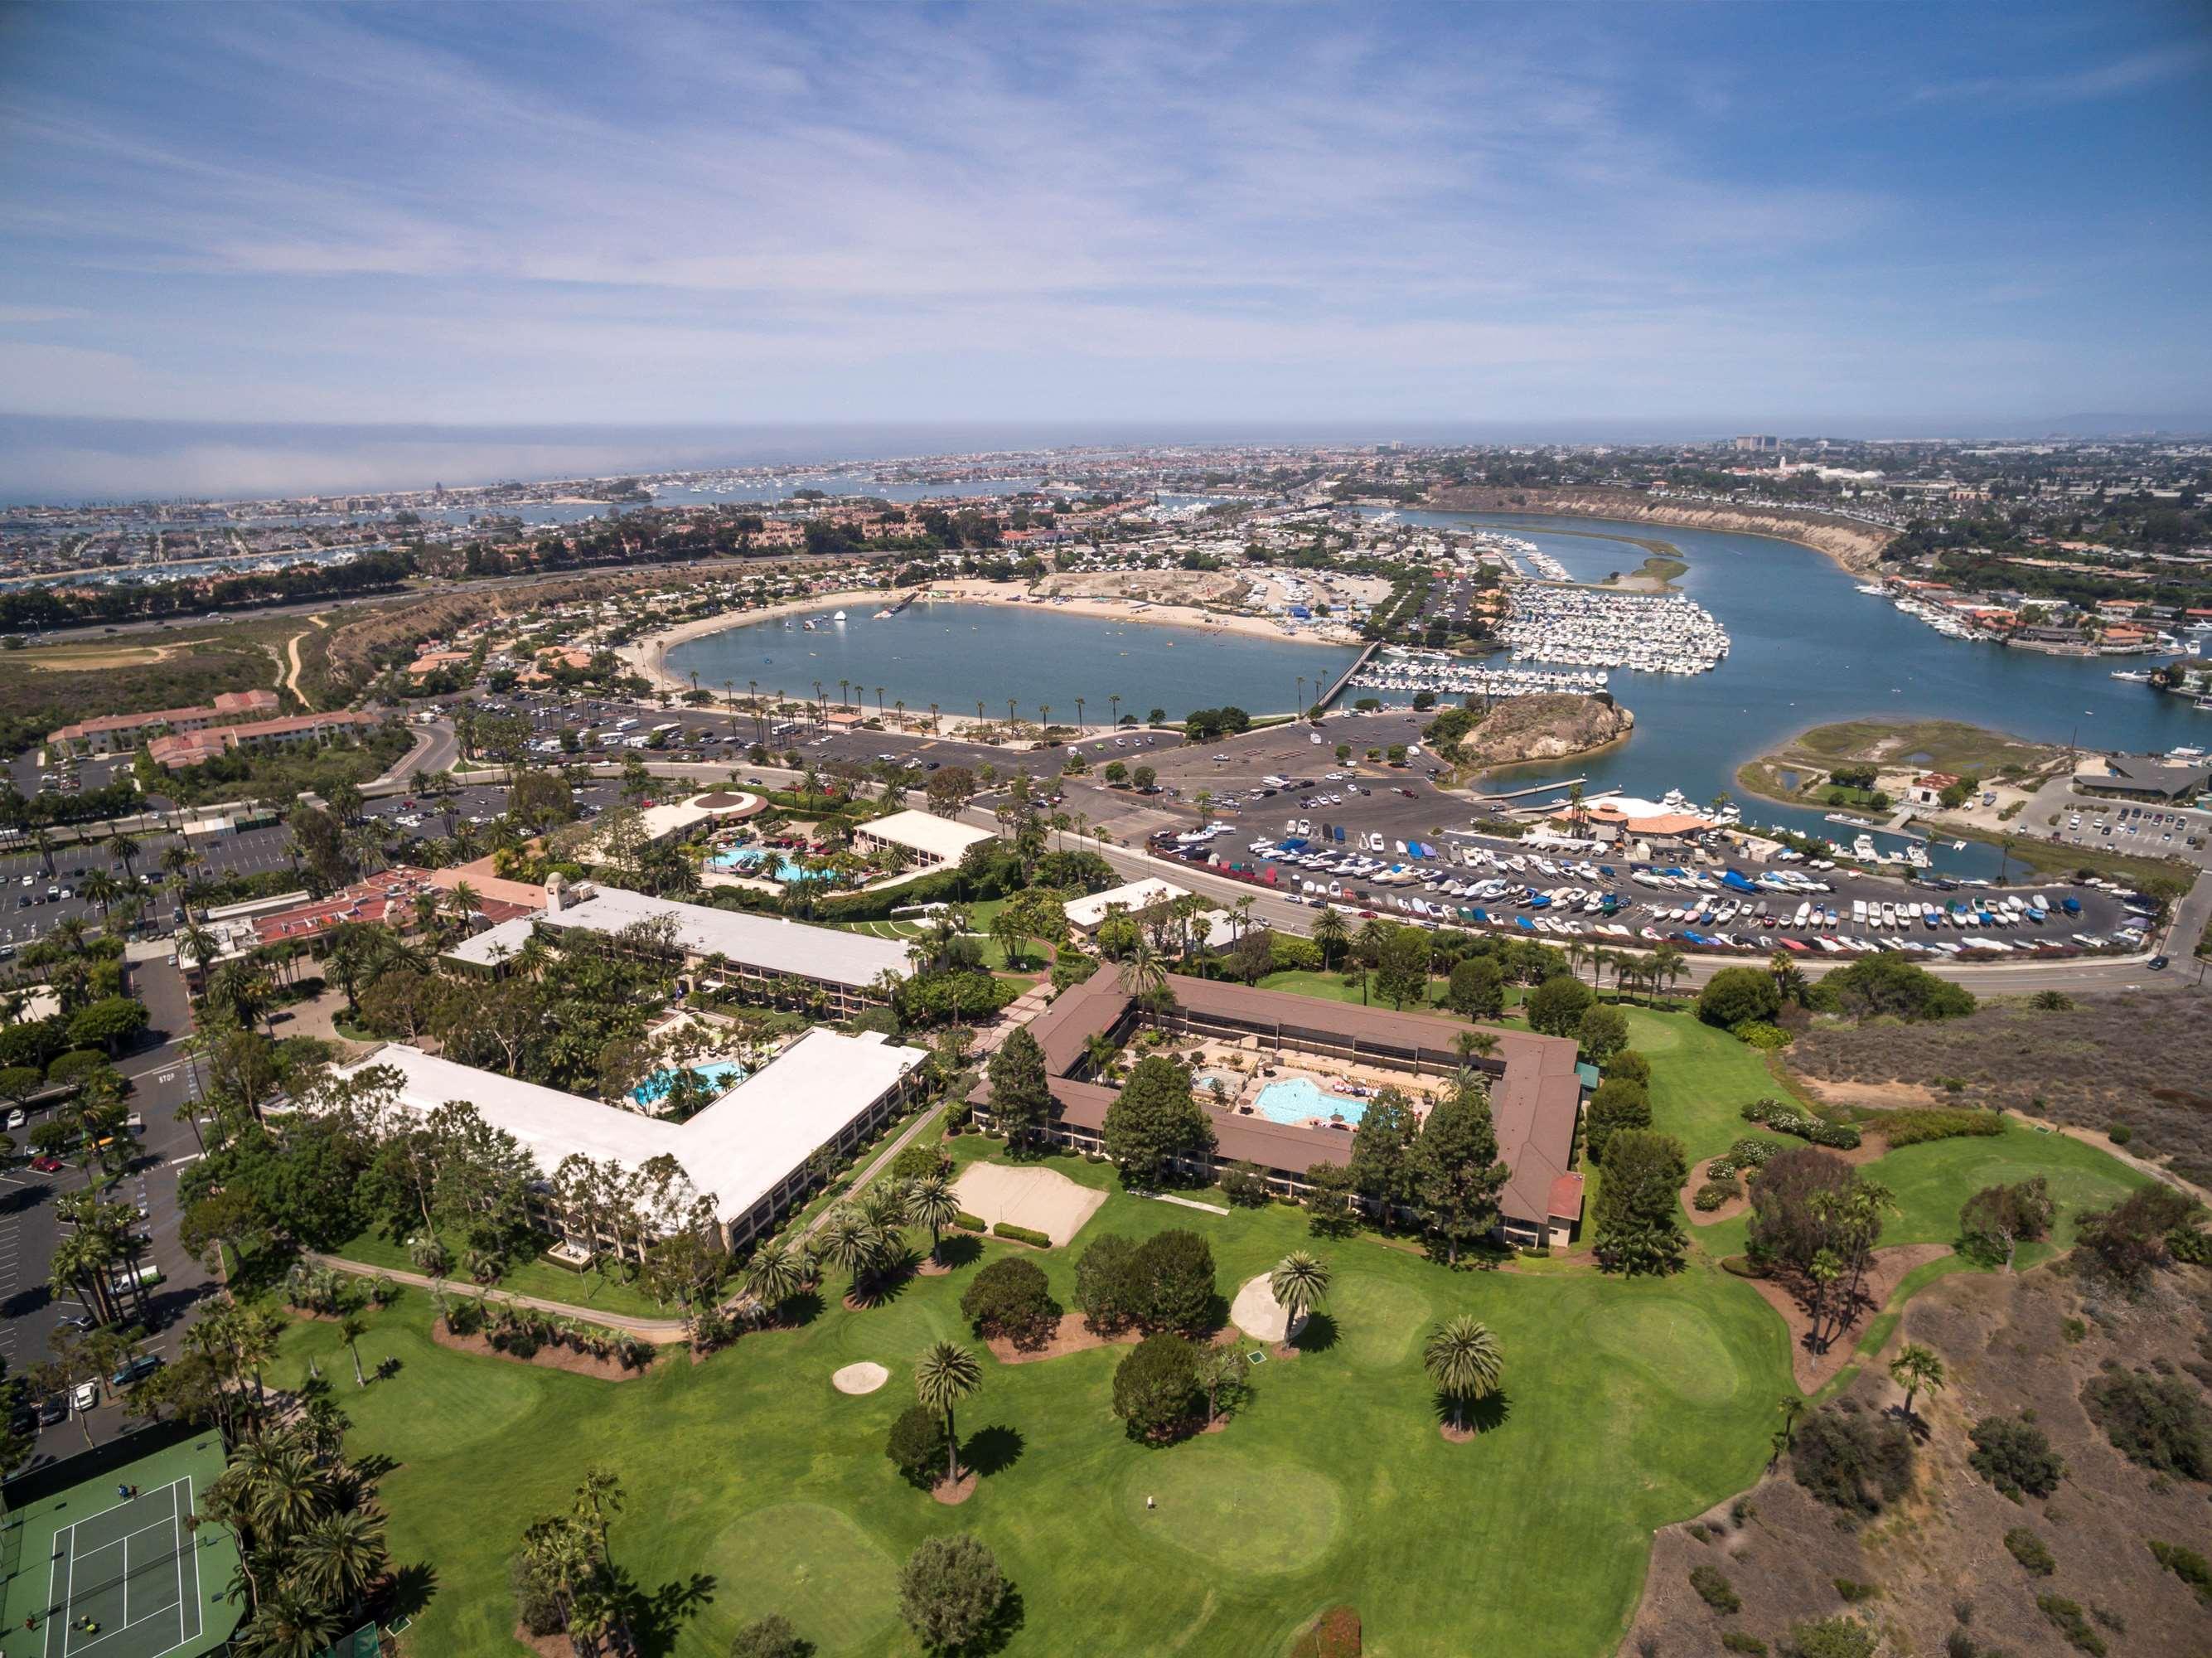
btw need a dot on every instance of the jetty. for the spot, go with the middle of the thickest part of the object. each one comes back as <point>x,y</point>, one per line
<point>1345,679</point>
<point>1557,786</point>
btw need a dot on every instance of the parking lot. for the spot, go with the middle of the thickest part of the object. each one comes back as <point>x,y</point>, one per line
<point>163,1084</point>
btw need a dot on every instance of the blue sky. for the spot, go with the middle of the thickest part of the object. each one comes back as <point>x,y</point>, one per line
<point>1861,218</point>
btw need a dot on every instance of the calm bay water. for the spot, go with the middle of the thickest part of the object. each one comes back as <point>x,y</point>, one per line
<point>1808,649</point>
<point>957,654</point>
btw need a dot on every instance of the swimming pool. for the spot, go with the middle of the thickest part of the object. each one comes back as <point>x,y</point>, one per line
<point>720,1078</point>
<point>749,858</point>
<point>1296,1099</point>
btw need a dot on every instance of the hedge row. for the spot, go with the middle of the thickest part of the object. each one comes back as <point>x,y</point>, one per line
<point>1784,1119</point>
<point>1021,1235</point>
<point>967,1223</point>
<point>1911,1126</point>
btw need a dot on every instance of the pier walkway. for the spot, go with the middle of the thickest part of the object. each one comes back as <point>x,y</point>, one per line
<point>1345,679</point>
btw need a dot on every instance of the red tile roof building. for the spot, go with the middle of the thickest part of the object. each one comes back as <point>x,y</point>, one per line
<point>111,731</point>
<point>185,748</point>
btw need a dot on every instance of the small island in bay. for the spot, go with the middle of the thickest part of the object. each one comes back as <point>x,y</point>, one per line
<point>1521,729</point>
<point>1874,764</point>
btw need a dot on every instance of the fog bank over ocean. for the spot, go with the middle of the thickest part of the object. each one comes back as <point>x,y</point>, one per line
<point>69,460</point>
<point>51,459</point>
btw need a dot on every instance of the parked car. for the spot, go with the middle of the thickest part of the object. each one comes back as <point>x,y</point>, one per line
<point>85,1398</point>
<point>48,1164</point>
<point>134,1371</point>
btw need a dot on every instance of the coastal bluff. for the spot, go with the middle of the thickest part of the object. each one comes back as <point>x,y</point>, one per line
<point>1552,727</point>
<point>1855,545</point>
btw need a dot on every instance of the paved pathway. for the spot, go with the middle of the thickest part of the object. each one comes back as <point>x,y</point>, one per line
<point>658,1330</point>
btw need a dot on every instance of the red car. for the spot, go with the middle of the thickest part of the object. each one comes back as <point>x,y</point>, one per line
<point>48,1165</point>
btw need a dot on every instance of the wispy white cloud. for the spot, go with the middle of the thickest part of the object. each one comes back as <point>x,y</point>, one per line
<point>645,213</point>
<point>2113,78</point>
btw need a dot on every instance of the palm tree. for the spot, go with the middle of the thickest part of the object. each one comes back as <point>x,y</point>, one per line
<point>848,1243</point>
<point>1915,1367</point>
<point>351,1328</point>
<point>1331,934</point>
<point>341,1555</point>
<point>1298,1284</point>
<point>946,1374</point>
<point>1462,1358</point>
<point>775,1274</point>
<point>288,1493</point>
<point>294,1624</point>
<point>126,849</point>
<point>1145,971</point>
<point>931,1201</point>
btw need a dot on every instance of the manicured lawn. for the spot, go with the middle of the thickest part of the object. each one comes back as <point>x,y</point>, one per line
<point>1331,987</point>
<point>1627,1406</point>
<point>1933,1180</point>
<point>1701,1079</point>
<point>535,1278</point>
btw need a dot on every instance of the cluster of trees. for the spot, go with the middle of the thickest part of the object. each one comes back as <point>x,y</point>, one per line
<point>563,1577</point>
<point>573,1019</point>
<point>1816,1220</point>
<point>311,1538</point>
<point>1441,1173</point>
<point>1205,724</point>
<point>31,608</point>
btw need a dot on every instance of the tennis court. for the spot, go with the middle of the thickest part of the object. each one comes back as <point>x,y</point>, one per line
<point>97,1573</point>
<point>126,1584</point>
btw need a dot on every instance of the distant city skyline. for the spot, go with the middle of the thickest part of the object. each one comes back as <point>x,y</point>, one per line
<point>1656,220</point>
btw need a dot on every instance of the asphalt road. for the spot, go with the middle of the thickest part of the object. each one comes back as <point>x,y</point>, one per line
<point>161,1085</point>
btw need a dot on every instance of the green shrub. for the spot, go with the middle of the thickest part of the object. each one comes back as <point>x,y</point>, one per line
<point>967,1223</point>
<point>917,1445</point>
<point>1021,1235</point>
<point>1713,1194</point>
<point>2188,1565</point>
<point>1854,1591</point>
<point>2066,1617</point>
<point>2120,1133</point>
<point>1736,1641</point>
<point>1785,1119</point>
<point>2155,1420</point>
<point>1912,1126</point>
<point>1857,1463</point>
<point>2033,1553</point>
<point>1714,1589</point>
<point>1749,1153</point>
<point>2014,1455</point>
<point>1758,1033</point>
<point>1833,1637</point>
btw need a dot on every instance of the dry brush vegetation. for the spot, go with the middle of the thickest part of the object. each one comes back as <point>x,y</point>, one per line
<point>2131,1061</point>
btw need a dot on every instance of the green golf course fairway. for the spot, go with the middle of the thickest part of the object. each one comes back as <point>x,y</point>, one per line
<point>1334,1484</point>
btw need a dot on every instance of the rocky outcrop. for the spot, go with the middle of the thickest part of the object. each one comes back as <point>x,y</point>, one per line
<point>1549,727</point>
<point>1855,545</point>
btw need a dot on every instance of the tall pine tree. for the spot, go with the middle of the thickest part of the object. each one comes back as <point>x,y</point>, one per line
<point>1639,1202</point>
<point>1154,1121</point>
<point>1457,1170</point>
<point>1021,1093</point>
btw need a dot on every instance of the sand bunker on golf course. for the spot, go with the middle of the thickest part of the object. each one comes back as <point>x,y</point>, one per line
<point>860,1378</point>
<point>1257,1312</point>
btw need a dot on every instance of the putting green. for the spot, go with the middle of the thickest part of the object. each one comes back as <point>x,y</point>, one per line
<point>468,1405</point>
<point>1377,1319</point>
<point>1655,1032</point>
<point>1672,1339</point>
<point>896,1329</point>
<point>811,1563</point>
<point>1241,1510</point>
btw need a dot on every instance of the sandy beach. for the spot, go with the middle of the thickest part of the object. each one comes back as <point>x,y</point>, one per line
<point>648,653</point>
